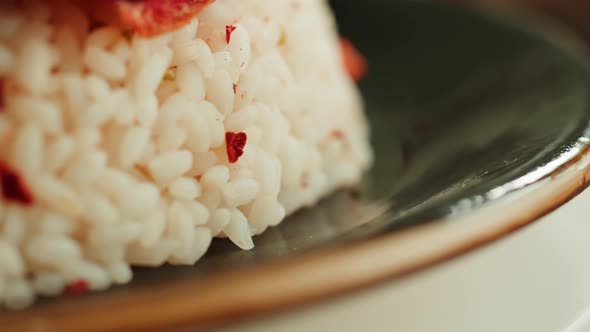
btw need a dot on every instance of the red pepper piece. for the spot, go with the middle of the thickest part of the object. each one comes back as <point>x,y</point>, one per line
<point>229,29</point>
<point>76,288</point>
<point>13,186</point>
<point>235,143</point>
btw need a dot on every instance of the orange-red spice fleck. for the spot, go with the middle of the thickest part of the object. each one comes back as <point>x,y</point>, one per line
<point>235,86</point>
<point>235,143</point>
<point>354,63</point>
<point>14,189</point>
<point>76,288</point>
<point>229,29</point>
<point>338,134</point>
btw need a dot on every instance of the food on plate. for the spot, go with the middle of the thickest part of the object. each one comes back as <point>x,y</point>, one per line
<point>133,132</point>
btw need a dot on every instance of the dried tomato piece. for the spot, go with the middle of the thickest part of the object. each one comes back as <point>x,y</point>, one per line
<point>354,62</point>
<point>146,17</point>
<point>235,143</point>
<point>76,288</point>
<point>13,186</point>
<point>229,29</point>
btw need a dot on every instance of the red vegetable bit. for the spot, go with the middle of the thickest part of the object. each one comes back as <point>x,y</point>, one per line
<point>151,17</point>
<point>76,288</point>
<point>13,187</point>
<point>354,62</point>
<point>229,29</point>
<point>2,100</point>
<point>235,143</point>
<point>146,17</point>
<point>235,88</point>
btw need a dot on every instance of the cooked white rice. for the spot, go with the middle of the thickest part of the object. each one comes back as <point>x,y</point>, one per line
<point>121,139</point>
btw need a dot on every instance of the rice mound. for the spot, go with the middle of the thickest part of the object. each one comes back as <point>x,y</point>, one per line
<point>115,145</point>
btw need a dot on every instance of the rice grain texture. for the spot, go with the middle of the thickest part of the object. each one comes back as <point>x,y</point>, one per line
<point>122,141</point>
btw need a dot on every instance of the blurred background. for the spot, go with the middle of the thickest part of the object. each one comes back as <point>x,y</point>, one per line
<point>573,15</point>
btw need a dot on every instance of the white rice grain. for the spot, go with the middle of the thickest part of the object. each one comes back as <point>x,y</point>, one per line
<point>201,242</point>
<point>35,62</point>
<point>220,91</point>
<point>103,37</point>
<point>48,283</point>
<point>28,149</point>
<point>120,272</point>
<point>153,227</point>
<point>58,196</point>
<point>185,188</point>
<point>180,227</point>
<point>140,200</point>
<point>196,124</point>
<point>219,220</point>
<point>150,76</point>
<point>99,210</point>
<point>171,139</point>
<point>53,223</point>
<point>241,119</point>
<point>14,227</point>
<point>42,113</point>
<point>147,110</point>
<point>11,263</point>
<point>196,51</point>
<point>215,177</point>
<point>200,213</point>
<point>190,81</point>
<point>42,250</point>
<point>113,235</point>
<point>238,231</point>
<point>18,294</point>
<point>240,192</point>
<point>154,255</point>
<point>104,63</point>
<point>132,146</point>
<point>85,168</point>
<point>239,48</point>
<point>165,167</point>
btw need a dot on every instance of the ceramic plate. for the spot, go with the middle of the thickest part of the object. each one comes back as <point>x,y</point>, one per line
<point>478,127</point>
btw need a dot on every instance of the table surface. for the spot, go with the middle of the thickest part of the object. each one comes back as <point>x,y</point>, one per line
<point>537,279</point>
